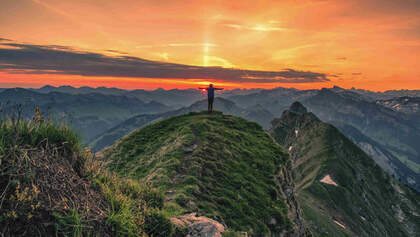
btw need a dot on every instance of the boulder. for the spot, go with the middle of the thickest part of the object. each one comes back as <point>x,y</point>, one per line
<point>198,226</point>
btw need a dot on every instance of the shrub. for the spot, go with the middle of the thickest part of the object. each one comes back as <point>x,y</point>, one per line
<point>157,225</point>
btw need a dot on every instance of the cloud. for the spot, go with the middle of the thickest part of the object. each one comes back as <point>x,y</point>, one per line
<point>265,28</point>
<point>235,26</point>
<point>53,59</point>
<point>115,51</point>
<point>356,73</point>
<point>177,45</point>
<point>4,39</point>
<point>341,58</point>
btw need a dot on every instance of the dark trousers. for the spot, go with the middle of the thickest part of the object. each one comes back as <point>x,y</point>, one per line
<point>210,107</point>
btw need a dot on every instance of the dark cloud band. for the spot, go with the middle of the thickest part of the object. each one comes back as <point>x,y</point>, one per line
<point>53,59</point>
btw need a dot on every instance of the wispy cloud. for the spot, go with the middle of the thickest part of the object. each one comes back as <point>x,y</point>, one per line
<point>116,51</point>
<point>177,45</point>
<point>266,28</point>
<point>235,26</point>
<point>39,59</point>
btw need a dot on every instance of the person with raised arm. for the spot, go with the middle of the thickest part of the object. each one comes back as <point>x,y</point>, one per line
<point>210,95</point>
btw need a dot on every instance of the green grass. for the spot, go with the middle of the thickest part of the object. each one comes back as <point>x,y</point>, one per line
<point>320,224</point>
<point>71,224</point>
<point>221,166</point>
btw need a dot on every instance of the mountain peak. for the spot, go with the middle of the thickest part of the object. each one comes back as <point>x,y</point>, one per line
<point>298,108</point>
<point>48,87</point>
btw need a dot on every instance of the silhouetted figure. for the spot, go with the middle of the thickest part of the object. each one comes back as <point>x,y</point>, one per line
<point>210,95</point>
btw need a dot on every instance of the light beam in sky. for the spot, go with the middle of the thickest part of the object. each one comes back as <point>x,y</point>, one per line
<point>206,50</point>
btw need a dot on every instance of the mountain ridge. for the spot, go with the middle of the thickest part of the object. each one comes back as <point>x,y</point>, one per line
<point>341,190</point>
<point>222,166</point>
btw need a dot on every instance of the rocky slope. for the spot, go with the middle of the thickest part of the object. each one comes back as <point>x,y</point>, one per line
<point>341,190</point>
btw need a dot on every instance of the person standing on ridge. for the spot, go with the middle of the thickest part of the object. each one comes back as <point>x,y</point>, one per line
<point>210,95</point>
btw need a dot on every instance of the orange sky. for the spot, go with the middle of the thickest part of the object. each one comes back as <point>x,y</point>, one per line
<point>357,43</point>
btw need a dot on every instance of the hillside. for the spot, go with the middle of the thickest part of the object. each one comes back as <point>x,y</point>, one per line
<point>256,113</point>
<point>220,166</point>
<point>274,100</point>
<point>341,190</point>
<point>50,186</point>
<point>406,105</point>
<point>394,130</point>
<point>409,105</point>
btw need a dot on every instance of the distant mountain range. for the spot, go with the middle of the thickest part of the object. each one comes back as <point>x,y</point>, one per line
<point>385,125</point>
<point>256,114</point>
<point>405,104</point>
<point>175,98</point>
<point>90,114</point>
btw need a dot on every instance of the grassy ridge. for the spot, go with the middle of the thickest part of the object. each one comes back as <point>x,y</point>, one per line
<point>221,166</point>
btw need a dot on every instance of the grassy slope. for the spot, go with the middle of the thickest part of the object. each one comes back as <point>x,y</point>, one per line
<point>49,186</point>
<point>221,166</point>
<point>364,191</point>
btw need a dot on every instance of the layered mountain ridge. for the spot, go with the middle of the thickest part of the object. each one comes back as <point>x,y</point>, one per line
<point>201,174</point>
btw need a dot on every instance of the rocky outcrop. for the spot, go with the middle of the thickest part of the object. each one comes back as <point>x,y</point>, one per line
<point>198,226</point>
<point>287,189</point>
